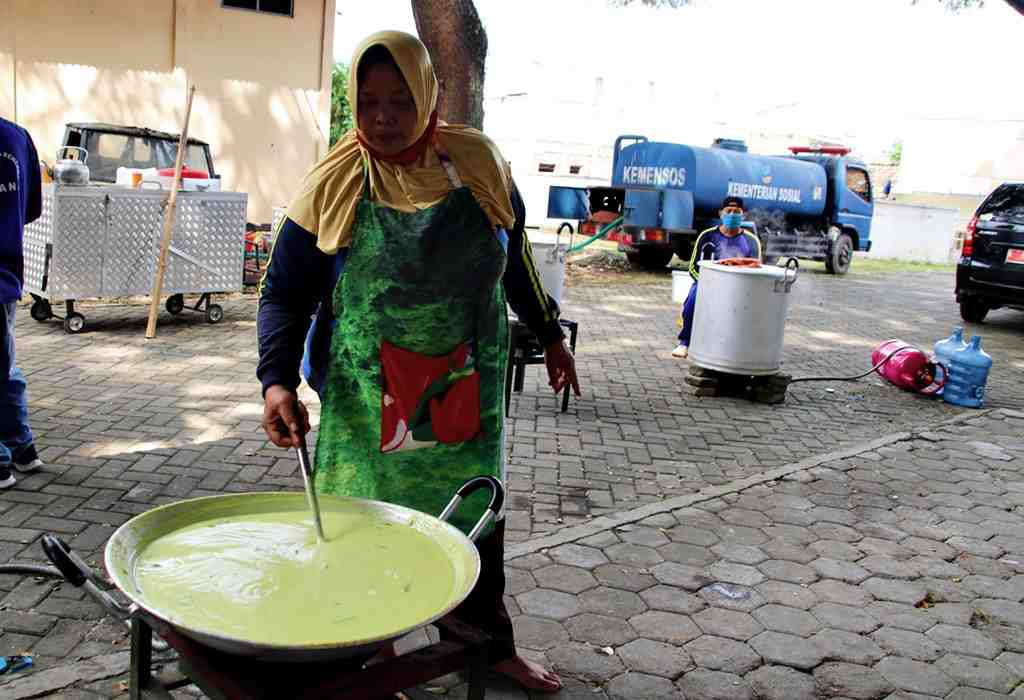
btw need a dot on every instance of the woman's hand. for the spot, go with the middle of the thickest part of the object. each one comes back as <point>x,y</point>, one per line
<point>285,418</point>
<point>561,367</point>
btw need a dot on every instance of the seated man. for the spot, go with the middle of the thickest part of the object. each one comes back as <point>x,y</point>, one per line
<point>727,240</point>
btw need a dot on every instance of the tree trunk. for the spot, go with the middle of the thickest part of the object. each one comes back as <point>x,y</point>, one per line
<point>1018,5</point>
<point>452,32</point>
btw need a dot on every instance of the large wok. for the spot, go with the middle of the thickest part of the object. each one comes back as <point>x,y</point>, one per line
<point>126,544</point>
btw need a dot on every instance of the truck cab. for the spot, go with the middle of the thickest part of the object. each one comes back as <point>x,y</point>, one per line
<point>849,202</point>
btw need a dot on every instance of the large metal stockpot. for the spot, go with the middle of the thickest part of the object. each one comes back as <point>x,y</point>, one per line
<point>740,317</point>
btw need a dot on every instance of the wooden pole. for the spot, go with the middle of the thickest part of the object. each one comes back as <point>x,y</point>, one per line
<point>165,242</point>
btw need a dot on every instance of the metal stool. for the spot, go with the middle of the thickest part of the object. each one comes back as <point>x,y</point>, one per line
<point>525,349</point>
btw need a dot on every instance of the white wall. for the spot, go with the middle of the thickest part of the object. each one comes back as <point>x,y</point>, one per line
<point>913,233</point>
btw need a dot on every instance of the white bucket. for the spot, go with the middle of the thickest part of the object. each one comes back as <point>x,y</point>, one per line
<point>550,261</point>
<point>681,282</point>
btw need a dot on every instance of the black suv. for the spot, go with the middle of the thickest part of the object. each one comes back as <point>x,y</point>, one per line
<point>990,273</point>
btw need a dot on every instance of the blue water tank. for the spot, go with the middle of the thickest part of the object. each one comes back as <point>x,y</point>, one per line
<point>773,183</point>
<point>945,348</point>
<point>969,368</point>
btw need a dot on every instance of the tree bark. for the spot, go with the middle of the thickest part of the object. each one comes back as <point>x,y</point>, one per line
<point>453,34</point>
<point>1018,5</point>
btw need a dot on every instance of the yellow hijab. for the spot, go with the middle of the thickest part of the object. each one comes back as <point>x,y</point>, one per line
<point>326,204</point>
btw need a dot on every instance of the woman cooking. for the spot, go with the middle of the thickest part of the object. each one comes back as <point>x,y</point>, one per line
<point>406,237</point>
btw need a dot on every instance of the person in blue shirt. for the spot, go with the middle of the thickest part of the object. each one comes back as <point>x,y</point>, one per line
<point>20,204</point>
<point>727,240</point>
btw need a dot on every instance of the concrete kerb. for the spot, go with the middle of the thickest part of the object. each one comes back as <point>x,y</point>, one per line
<point>627,517</point>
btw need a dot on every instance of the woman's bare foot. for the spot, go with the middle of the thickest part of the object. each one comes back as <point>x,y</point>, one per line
<point>530,674</point>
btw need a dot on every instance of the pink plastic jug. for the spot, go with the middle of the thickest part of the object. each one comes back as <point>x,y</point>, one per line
<point>908,368</point>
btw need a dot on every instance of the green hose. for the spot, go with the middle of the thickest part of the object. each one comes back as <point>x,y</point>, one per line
<point>602,232</point>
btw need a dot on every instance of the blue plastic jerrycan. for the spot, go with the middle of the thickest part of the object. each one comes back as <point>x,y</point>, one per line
<point>945,348</point>
<point>969,368</point>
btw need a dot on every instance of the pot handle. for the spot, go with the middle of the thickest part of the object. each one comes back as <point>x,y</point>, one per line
<point>471,487</point>
<point>79,575</point>
<point>786,283</point>
<point>557,253</point>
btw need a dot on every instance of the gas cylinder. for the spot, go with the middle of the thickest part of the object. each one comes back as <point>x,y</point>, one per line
<point>945,348</point>
<point>907,367</point>
<point>968,376</point>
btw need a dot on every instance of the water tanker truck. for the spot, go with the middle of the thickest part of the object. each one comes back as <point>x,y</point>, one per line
<point>815,203</point>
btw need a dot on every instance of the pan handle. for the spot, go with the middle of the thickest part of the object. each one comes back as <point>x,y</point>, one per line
<point>75,571</point>
<point>471,487</point>
<point>79,575</point>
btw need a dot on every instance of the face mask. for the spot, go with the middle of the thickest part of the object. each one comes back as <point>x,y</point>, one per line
<point>732,220</point>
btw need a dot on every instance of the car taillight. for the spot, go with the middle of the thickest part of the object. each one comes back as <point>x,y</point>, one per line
<point>968,246</point>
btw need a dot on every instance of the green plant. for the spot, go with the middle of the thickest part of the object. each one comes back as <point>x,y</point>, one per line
<point>341,110</point>
<point>896,153</point>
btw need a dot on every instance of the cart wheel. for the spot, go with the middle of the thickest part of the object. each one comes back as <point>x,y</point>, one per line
<point>175,304</point>
<point>41,310</point>
<point>214,313</point>
<point>74,323</point>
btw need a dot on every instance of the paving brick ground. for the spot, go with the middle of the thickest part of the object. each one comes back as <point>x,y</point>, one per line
<point>896,573</point>
<point>128,424</point>
<point>636,439</point>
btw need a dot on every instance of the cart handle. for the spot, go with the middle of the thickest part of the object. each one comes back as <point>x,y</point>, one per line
<point>471,487</point>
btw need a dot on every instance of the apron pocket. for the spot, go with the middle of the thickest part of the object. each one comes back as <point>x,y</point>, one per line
<point>426,400</point>
<point>455,417</point>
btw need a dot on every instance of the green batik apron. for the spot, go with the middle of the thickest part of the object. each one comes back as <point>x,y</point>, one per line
<point>412,404</point>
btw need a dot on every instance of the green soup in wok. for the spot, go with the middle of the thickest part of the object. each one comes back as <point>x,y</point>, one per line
<point>259,573</point>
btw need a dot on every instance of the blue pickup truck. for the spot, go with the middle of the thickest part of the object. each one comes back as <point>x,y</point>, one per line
<point>815,203</point>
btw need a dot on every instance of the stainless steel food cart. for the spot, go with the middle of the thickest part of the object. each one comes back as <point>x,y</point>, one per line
<point>103,241</point>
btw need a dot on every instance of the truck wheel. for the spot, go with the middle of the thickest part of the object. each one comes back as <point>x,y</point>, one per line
<point>973,310</point>
<point>650,258</point>
<point>841,255</point>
